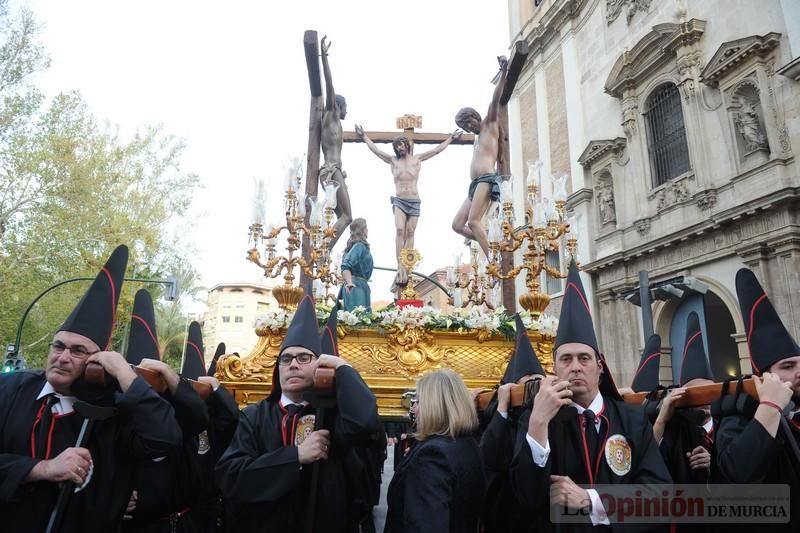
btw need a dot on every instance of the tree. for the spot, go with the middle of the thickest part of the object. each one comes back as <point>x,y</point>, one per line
<point>171,319</point>
<point>71,190</point>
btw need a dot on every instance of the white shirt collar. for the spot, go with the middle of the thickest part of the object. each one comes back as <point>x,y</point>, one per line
<point>286,401</point>
<point>708,426</point>
<point>596,406</point>
<point>64,404</point>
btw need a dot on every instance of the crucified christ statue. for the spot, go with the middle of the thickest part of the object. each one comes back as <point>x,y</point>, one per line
<point>405,166</point>
<point>331,142</point>
<point>485,185</point>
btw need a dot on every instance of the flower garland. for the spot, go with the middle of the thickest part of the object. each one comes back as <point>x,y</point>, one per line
<point>459,319</point>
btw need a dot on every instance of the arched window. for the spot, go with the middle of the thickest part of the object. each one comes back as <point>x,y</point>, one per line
<point>669,154</point>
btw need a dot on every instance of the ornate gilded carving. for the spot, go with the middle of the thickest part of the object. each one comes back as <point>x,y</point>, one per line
<point>389,360</point>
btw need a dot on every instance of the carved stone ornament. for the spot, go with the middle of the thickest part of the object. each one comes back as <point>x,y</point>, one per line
<point>731,54</point>
<point>596,150</point>
<point>666,42</point>
<point>614,8</point>
<point>604,196</point>
<point>642,226</point>
<point>672,193</point>
<point>706,199</point>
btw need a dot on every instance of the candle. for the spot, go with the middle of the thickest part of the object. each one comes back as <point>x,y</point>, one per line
<point>319,289</point>
<point>458,300</point>
<point>506,191</point>
<point>330,193</point>
<point>451,275</point>
<point>560,188</point>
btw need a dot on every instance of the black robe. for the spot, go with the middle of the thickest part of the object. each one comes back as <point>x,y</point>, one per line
<point>532,483</point>
<point>748,454</point>
<point>143,428</point>
<point>501,513</point>
<point>265,487</point>
<point>439,486</point>
<point>223,413</point>
<point>174,484</point>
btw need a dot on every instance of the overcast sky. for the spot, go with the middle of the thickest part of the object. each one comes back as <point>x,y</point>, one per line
<point>230,79</point>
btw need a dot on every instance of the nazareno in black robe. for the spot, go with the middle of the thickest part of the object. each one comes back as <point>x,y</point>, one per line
<point>265,487</point>
<point>748,454</point>
<point>531,483</point>
<point>172,484</point>
<point>501,511</point>
<point>143,428</point>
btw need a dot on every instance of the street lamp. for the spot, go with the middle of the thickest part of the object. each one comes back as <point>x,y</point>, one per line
<point>13,358</point>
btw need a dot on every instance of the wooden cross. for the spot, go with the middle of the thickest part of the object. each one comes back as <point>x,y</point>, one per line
<point>408,123</point>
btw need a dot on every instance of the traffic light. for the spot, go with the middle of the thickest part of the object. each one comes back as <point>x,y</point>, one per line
<point>12,361</point>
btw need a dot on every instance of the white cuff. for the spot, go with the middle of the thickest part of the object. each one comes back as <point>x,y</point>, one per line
<point>539,453</point>
<point>503,414</point>
<point>598,513</point>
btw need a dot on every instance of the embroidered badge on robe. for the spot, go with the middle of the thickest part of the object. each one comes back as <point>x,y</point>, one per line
<point>618,454</point>
<point>304,428</point>
<point>203,444</point>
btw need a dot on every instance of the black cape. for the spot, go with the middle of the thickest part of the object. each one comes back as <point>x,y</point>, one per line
<point>532,483</point>
<point>501,511</point>
<point>174,483</point>
<point>143,428</point>
<point>265,486</point>
<point>748,454</point>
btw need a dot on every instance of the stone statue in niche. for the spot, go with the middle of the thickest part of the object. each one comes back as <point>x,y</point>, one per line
<point>749,127</point>
<point>605,202</point>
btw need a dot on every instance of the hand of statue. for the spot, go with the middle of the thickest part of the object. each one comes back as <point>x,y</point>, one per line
<point>457,134</point>
<point>314,447</point>
<point>359,131</point>
<point>325,44</point>
<point>503,62</point>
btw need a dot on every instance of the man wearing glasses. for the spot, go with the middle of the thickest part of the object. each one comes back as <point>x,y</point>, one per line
<point>39,426</point>
<point>266,472</point>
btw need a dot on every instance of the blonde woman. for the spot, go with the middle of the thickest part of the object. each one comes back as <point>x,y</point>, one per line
<point>440,485</point>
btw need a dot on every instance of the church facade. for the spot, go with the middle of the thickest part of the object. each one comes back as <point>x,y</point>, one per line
<point>678,123</point>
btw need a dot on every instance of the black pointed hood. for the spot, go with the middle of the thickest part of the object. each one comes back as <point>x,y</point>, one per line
<point>768,340</point>
<point>329,342</point>
<point>695,363</point>
<point>143,338</point>
<point>575,321</point>
<point>212,368</point>
<point>303,331</point>
<point>523,360</point>
<point>96,313</point>
<point>194,362</point>
<point>646,377</point>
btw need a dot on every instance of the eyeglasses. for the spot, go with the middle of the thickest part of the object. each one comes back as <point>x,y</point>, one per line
<point>78,352</point>
<point>285,359</point>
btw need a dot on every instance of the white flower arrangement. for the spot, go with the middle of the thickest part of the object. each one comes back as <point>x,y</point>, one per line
<point>459,319</point>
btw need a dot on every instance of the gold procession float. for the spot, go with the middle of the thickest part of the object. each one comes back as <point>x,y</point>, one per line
<point>391,357</point>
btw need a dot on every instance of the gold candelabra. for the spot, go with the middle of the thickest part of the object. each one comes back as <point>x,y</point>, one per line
<point>546,229</point>
<point>318,228</point>
<point>479,286</point>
